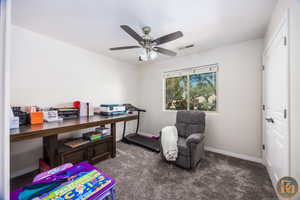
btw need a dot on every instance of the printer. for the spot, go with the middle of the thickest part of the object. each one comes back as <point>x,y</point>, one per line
<point>112,109</point>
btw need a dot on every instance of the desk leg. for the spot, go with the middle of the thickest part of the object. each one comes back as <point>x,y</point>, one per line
<point>50,146</point>
<point>113,133</point>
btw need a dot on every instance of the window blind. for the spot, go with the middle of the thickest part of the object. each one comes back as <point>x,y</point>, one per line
<point>192,70</point>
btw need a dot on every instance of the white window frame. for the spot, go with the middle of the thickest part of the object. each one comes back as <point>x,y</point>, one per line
<point>5,22</point>
<point>187,72</point>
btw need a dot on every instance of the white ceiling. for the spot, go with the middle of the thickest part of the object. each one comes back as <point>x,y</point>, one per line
<point>95,24</point>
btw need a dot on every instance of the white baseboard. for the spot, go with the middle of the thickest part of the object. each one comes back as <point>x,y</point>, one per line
<point>224,152</point>
<point>236,155</point>
<point>23,171</point>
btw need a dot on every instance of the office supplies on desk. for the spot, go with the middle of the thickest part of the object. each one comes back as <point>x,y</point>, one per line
<point>52,116</point>
<point>91,110</point>
<point>97,110</point>
<point>14,121</point>
<point>36,117</point>
<point>112,109</point>
<point>76,104</point>
<point>86,109</point>
<point>23,116</point>
<point>83,109</point>
<point>67,112</point>
<point>30,109</point>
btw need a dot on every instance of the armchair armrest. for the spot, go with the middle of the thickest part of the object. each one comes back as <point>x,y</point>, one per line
<point>195,138</point>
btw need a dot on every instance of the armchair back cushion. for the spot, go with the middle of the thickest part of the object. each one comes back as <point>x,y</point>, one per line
<point>189,122</point>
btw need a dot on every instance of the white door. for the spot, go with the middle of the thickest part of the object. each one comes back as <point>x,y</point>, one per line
<point>4,101</point>
<point>275,97</point>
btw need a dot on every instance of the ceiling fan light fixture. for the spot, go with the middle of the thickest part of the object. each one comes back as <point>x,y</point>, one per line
<point>153,55</point>
<point>144,56</point>
<point>147,54</point>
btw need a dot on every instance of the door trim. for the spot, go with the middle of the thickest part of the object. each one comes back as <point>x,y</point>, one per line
<point>5,22</point>
<point>285,21</point>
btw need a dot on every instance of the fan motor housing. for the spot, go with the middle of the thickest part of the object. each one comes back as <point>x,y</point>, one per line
<point>146,30</point>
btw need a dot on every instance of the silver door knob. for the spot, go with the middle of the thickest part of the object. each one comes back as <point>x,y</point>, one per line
<point>270,120</point>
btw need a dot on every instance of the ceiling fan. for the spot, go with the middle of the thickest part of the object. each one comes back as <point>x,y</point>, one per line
<point>149,45</point>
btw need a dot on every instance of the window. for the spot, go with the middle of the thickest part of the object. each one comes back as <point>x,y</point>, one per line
<point>191,89</point>
<point>176,93</point>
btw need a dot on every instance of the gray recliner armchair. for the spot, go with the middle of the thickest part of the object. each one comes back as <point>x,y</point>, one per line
<point>190,126</point>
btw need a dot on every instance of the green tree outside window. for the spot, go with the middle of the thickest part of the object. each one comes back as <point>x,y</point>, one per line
<point>192,92</point>
<point>176,93</point>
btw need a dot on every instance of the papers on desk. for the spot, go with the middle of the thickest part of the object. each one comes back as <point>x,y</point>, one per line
<point>86,109</point>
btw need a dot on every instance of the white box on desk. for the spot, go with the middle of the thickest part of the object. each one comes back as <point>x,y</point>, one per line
<point>14,122</point>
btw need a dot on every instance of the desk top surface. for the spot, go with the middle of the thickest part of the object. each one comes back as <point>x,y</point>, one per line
<point>54,128</point>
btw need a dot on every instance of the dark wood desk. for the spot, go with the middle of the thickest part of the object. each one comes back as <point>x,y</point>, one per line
<point>49,132</point>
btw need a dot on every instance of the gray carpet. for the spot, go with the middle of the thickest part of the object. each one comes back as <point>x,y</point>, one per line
<point>141,174</point>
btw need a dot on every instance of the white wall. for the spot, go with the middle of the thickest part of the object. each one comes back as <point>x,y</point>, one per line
<point>294,28</point>
<point>236,127</point>
<point>47,72</point>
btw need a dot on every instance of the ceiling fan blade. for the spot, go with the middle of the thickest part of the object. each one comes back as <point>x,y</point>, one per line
<point>132,33</point>
<point>165,51</point>
<point>122,48</point>
<point>168,38</point>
